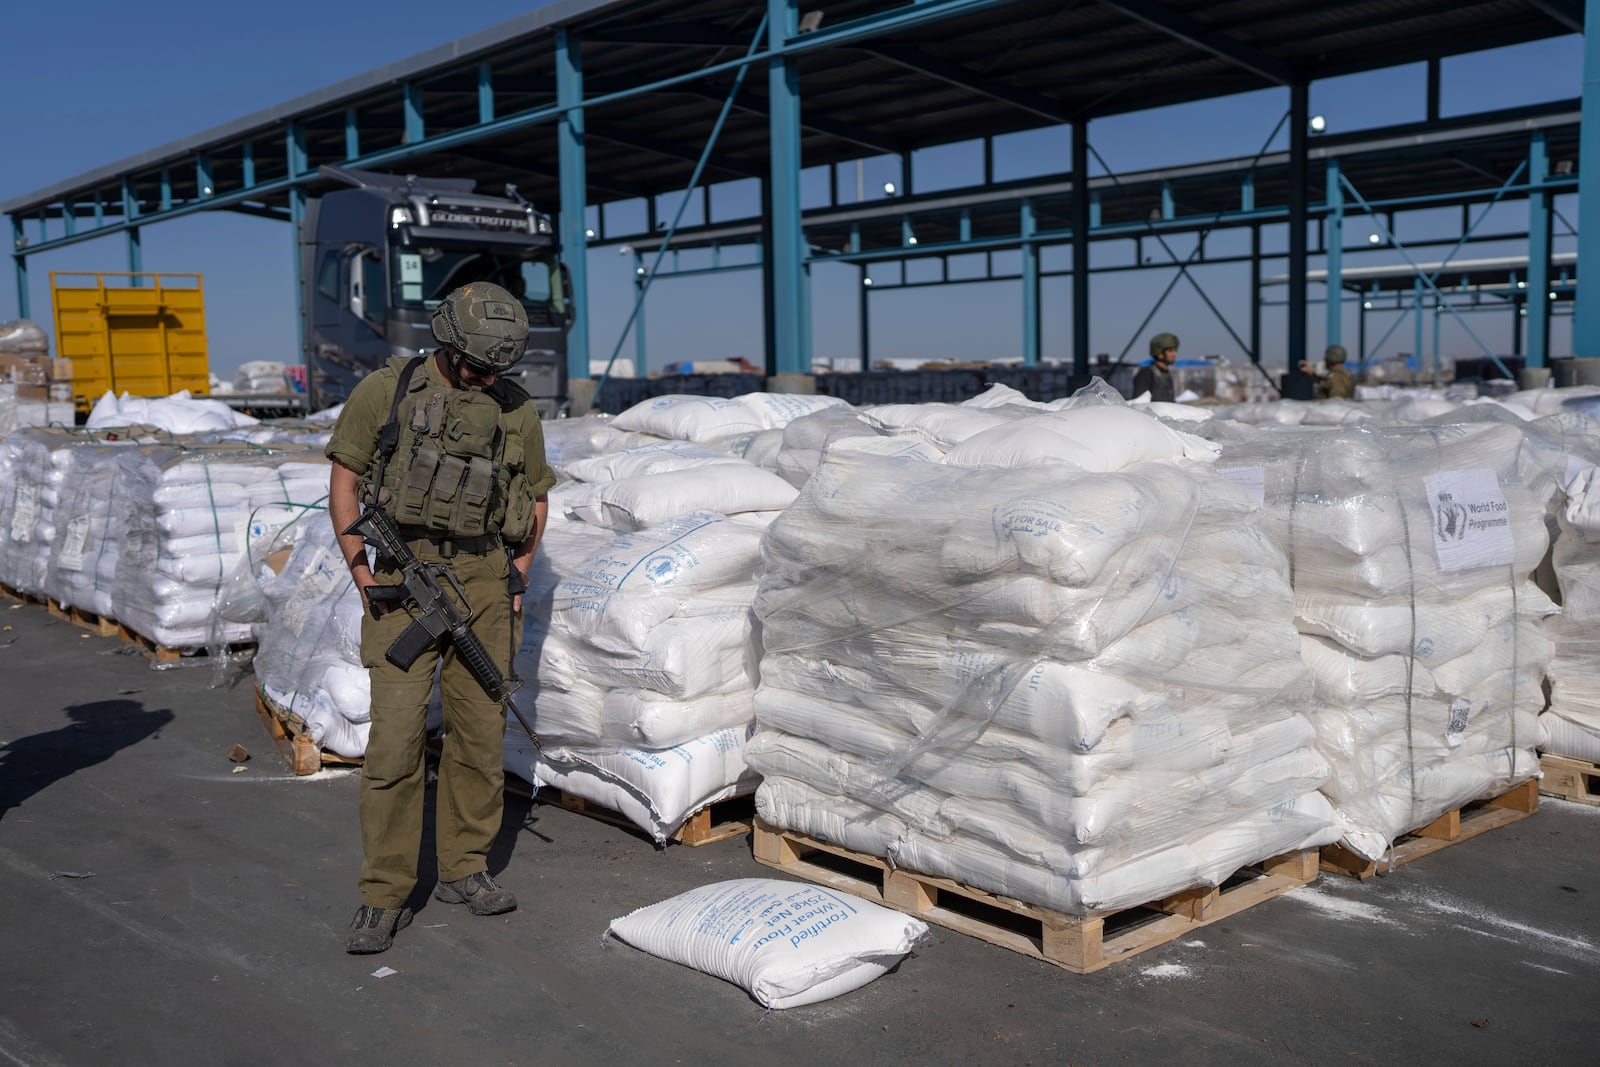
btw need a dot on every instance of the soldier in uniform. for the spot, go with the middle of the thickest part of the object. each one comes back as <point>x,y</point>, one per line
<point>1155,377</point>
<point>1337,384</point>
<point>466,482</point>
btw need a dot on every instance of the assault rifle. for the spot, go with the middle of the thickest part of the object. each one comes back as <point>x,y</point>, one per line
<point>438,614</point>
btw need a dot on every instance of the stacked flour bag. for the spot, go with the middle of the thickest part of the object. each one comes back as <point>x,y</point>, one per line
<point>1411,553</point>
<point>1571,725</point>
<point>186,530</point>
<point>639,645</point>
<point>90,506</point>
<point>308,661</point>
<point>1059,665</point>
<point>34,468</point>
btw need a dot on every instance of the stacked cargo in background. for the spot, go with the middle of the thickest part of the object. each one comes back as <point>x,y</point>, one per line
<point>1059,665</point>
<point>1411,553</point>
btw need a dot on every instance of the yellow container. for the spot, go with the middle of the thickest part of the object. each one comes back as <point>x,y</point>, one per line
<point>143,334</point>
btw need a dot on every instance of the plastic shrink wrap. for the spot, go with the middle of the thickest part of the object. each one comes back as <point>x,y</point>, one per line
<point>1571,725</point>
<point>1079,688</point>
<point>1411,552</point>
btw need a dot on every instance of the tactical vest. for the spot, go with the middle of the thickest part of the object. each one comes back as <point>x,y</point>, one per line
<point>457,471</point>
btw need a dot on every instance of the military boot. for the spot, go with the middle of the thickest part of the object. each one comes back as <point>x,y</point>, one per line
<point>478,892</point>
<point>373,929</point>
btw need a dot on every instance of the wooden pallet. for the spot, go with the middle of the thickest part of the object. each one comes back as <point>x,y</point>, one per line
<point>717,821</point>
<point>1453,827</point>
<point>1571,779</point>
<point>86,619</point>
<point>1078,943</point>
<point>17,594</point>
<point>163,655</point>
<point>288,733</point>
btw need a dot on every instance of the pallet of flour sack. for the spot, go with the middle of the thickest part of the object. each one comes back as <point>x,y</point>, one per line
<point>1079,688</point>
<point>186,530</point>
<point>721,422</point>
<point>1413,552</point>
<point>640,656</point>
<point>308,656</point>
<point>34,464</point>
<point>90,503</point>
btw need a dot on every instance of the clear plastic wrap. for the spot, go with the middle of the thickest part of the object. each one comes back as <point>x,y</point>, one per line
<point>1411,552</point>
<point>1080,689</point>
<point>1571,726</point>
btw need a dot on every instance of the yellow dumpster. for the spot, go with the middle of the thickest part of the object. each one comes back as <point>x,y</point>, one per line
<point>143,334</point>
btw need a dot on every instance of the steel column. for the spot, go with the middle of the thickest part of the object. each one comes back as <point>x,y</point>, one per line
<point>1416,341</point>
<point>202,177</point>
<point>573,166</point>
<point>1333,245</point>
<point>415,130</point>
<point>486,84</point>
<point>1539,222</point>
<point>352,134</point>
<point>1255,294</point>
<point>1030,287</point>
<point>247,164</point>
<point>640,348</point>
<point>1081,223</point>
<point>788,355</point>
<point>1296,384</point>
<point>863,319</point>
<point>166,192</point>
<point>1433,90</point>
<point>294,145</point>
<point>130,211</point>
<point>18,242</point>
<point>1586,303</point>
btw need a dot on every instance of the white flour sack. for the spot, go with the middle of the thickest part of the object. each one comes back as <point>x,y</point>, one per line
<point>692,418</point>
<point>1103,438</point>
<point>724,488</point>
<point>787,944</point>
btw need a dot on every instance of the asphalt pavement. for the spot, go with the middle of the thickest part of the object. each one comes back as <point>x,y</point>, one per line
<point>161,909</point>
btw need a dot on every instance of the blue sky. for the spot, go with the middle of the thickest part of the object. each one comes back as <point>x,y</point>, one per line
<point>152,73</point>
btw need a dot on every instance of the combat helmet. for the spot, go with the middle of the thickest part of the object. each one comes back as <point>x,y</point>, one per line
<point>1161,342</point>
<point>485,323</point>
<point>1335,354</point>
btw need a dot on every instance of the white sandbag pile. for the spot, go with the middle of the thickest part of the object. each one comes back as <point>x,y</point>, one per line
<point>784,943</point>
<point>1411,551</point>
<point>1571,726</point>
<point>1076,684</point>
<point>308,660</point>
<point>709,419</point>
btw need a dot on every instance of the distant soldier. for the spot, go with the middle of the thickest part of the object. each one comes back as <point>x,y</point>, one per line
<point>1337,384</point>
<point>1155,377</point>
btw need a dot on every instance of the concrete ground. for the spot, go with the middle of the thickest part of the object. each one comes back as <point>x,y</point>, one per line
<point>161,909</point>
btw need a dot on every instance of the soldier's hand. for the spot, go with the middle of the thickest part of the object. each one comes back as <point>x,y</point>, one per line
<point>1305,367</point>
<point>378,608</point>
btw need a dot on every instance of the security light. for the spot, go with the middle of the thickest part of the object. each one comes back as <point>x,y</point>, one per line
<point>1318,124</point>
<point>590,234</point>
<point>888,188</point>
<point>866,281</point>
<point>913,240</point>
<point>205,190</point>
<point>638,270</point>
<point>1367,304</point>
<point>1552,296</point>
<point>810,22</point>
<point>1522,285</point>
<point>1374,239</point>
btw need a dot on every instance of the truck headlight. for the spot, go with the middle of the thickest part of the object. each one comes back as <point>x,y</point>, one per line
<point>400,216</point>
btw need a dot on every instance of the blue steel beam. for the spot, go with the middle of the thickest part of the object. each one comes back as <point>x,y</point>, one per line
<point>574,196</point>
<point>247,164</point>
<point>788,241</point>
<point>352,134</point>
<point>1538,336</point>
<point>1297,386</point>
<point>1567,12</point>
<point>203,184</point>
<point>1586,324</point>
<point>166,191</point>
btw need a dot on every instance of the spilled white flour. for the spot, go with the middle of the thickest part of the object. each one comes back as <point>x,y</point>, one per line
<point>1166,970</point>
<point>1340,907</point>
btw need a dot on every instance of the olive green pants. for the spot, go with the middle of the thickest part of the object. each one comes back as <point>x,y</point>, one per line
<point>470,795</point>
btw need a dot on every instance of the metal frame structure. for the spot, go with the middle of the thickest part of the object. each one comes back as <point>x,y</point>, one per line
<point>646,100</point>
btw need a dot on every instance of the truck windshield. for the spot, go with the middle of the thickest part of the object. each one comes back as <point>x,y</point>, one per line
<point>425,276</point>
